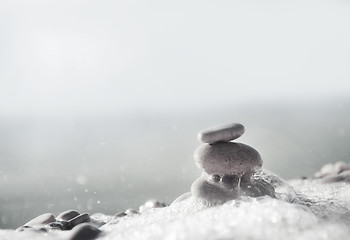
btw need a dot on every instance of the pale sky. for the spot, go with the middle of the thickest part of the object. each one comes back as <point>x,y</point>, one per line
<point>88,56</point>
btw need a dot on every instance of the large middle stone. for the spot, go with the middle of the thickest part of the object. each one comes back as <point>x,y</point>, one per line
<point>227,158</point>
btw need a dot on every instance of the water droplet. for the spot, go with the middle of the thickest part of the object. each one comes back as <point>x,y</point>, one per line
<point>81,179</point>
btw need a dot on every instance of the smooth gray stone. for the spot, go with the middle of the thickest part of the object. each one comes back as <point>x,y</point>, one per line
<point>130,212</point>
<point>67,215</point>
<point>120,214</point>
<point>66,225</point>
<point>331,169</point>
<point>222,133</point>
<point>41,220</point>
<point>152,203</point>
<point>55,225</point>
<point>223,158</point>
<point>84,232</point>
<point>341,177</point>
<point>61,225</point>
<point>213,193</point>
<point>42,229</point>
<point>79,219</point>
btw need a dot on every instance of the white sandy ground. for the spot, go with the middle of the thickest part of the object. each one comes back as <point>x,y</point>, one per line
<point>314,211</point>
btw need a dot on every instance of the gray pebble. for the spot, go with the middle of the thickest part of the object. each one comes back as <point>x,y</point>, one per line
<point>152,203</point>
<point>79,219</point>
<point>42,229</point>
<point>341,177</point>
<point>202,189</point>
<point>131,212</point>
<point>61,225</point>
<point>227,158</point>
<point>55,225</point>
<point>41,220</point>
<point>67,215</point>
<point>84,232</point>
<point>66,225</point>
<point>223,133</point>
<point>120,214</point>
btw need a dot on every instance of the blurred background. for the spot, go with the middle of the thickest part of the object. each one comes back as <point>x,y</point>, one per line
<point>101,100</point>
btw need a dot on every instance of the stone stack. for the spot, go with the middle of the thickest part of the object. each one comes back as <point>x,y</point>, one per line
<point>227,166</point>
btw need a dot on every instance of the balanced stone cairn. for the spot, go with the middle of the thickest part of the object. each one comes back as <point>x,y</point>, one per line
<point>229,167</point>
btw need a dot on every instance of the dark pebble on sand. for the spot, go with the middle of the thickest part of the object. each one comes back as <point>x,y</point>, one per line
<point>84,232</point>
<point>130,212</point>
<point>56,225</point>
<point>79,219</point>
<point>120,214</point>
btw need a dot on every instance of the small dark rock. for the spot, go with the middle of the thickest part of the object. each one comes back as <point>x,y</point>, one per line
<point>65,225</point>
<point>79,219</point>
<point>130,212</point>
<point>58,225</point>
<point>84,232</point>
<point>42,229</point>
<point>120,214</point>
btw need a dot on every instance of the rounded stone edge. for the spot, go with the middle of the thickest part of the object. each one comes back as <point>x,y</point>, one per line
<point>221,133</point>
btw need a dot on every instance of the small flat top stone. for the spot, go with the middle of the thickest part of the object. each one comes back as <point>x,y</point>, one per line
<point>223,133</point>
